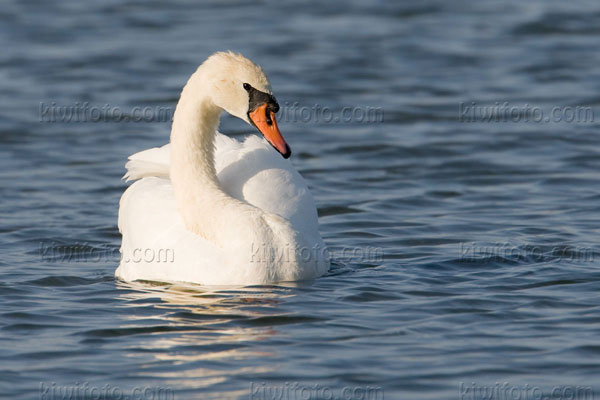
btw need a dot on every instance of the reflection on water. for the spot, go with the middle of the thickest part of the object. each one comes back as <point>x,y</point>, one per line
<point>213,324</point>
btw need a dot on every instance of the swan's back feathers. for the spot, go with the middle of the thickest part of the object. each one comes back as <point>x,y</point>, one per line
<point>151,162</point>
<point>250,171</point>
<point>157,160</point>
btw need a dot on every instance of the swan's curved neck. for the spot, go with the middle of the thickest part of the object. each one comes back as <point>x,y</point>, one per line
<point>200,198</point>
<point>195,122</point>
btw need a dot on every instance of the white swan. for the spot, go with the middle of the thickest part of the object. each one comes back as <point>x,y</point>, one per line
<point>211,210</point>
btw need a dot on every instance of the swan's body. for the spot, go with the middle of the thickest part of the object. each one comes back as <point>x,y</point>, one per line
<point>211,210</point>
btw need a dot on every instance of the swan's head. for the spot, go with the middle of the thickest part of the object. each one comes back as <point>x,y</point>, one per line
<point>241,88</point>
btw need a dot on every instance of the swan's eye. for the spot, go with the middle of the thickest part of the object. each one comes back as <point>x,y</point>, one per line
<point>247,86</point>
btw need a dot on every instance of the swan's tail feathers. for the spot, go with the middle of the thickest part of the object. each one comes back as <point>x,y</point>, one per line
<point>151,162</point>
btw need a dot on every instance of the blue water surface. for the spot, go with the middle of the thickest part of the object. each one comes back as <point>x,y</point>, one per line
<point>463,220</point>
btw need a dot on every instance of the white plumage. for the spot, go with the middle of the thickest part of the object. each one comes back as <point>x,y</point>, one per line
<point>248,219</point>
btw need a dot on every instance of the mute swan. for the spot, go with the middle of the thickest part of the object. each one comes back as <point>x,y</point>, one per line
<point>211,210</point>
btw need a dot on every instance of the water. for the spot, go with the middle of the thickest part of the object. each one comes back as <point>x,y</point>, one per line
<point>477,260</point>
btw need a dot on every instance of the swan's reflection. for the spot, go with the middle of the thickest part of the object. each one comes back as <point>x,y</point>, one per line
<point>206,336</point>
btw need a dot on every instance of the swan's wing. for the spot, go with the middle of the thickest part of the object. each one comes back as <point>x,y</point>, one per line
<point>254,172</point>
<point>251,171</point>
<point>157,160</point>
<point>151,162</point>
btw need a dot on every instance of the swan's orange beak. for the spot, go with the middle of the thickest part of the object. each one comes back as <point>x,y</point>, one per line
<point>264,119</point>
